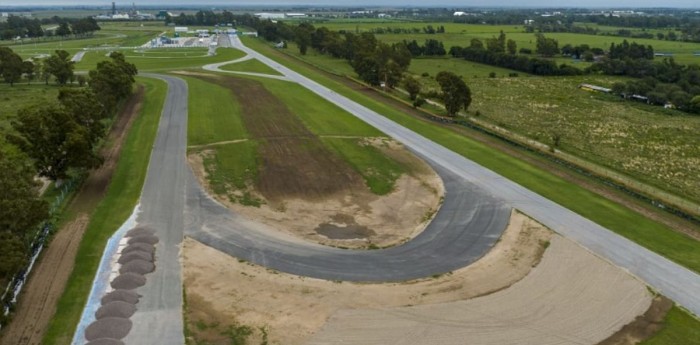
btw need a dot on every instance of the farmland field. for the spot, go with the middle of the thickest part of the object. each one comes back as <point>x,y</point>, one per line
<point>461,35</point>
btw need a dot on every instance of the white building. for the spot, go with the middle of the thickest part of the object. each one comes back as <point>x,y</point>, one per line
<point>120,16</point>
<point>181,29</point>
<point>295,15</point>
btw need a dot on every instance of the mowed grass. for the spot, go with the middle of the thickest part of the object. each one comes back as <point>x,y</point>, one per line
<point>214,115</point>
<point>679,328</point>
<point>252,66</point>
<point>163,63</point>
<point>121,198</point>
<point>615,217</point>
<point>320,116</point>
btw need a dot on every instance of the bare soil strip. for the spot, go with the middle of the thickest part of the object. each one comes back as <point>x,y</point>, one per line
<point>37,304</point>
<point>221,290</point>
<point>571,297</point>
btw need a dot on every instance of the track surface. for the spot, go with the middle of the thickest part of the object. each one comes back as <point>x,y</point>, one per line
<point>676,282</point>
<point>159,316</point>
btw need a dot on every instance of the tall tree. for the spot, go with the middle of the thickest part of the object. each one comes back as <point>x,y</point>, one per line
<point>302,36</point>
<point>11,66</point>
<point>547,47</point>
<point>81,105</point>
<point>60,66</point>
<point>112,80</point>
<point>455,93</point>
<point>512,47</point>
<point>21,209</point>
<point>412,86</point>
<point>63,29</point>
<point>54,140</point>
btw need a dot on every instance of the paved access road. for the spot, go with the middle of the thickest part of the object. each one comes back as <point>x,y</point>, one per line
<point>678,283</point>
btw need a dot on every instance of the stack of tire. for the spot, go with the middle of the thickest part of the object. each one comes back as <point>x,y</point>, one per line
<point>112,320</point>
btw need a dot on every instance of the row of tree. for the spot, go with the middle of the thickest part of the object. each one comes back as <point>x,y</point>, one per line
<point>430,30</point>
<point>22,27</point>
<point>50,140</point>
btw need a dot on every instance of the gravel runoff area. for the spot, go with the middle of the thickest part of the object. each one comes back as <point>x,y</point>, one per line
<point>136,258</point>
<point>571,297</point>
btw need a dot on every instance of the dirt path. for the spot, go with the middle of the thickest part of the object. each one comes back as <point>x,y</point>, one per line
<point>220,289</point>
<point>37,304</point>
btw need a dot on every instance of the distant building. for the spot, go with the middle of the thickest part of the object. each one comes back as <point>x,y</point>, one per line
<point>270,15</point>
<point>181,29</point>
<point>295,15</point>
<point>459,14</point>
<point>384,15</point>
<point>120,16</point>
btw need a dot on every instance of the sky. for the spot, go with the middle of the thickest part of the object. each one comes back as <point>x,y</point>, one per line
<point>393,3</point>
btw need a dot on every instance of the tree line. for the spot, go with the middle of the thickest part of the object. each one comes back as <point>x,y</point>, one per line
<point>51,140</point>
<point>22,27</point>
<point>58,65</point>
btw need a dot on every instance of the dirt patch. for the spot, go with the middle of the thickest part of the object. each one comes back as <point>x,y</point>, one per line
<point>571,297</point>
<point>644,326</point>
<point>358,219</point>
<point>37,304</point>
<point>310,192</point>
<point>293,308</point>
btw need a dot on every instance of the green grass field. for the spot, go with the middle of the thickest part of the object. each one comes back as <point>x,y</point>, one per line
<point>632,225</point>
<point>214,116</point>
<point>118,203</point>
<point>252,65</point>
<point>22,95</point>
<point>659,147</point>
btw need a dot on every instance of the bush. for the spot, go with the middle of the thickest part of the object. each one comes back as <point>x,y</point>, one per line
<point>525,51</point>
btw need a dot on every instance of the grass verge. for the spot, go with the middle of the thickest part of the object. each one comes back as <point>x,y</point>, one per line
<point>121,198</point>
<point>231,169</point>
<point>214,115</point>
<point>679,328</point>
<point>253,66</point>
